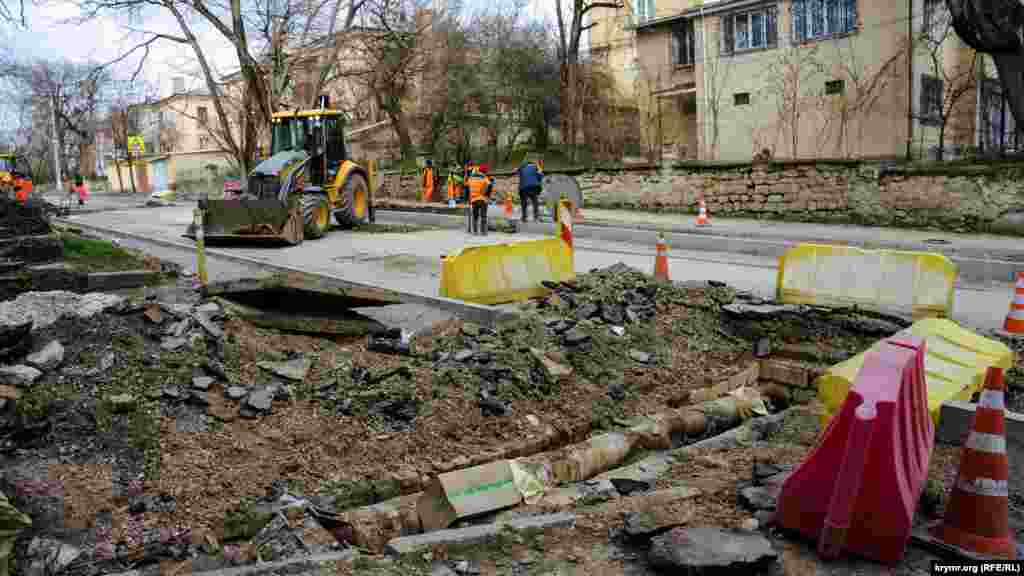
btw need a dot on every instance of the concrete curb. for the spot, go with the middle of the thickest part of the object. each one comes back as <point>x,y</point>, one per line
<point>483,315</point>
<point>972,266</point>
<point>292,564</point>
<point>474,534</point>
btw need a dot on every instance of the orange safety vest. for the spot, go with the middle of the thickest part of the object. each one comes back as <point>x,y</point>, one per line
<point>478,188</point>
<point>428,184</point>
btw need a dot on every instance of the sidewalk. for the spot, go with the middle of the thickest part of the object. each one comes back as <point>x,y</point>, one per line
<point>975,246</point>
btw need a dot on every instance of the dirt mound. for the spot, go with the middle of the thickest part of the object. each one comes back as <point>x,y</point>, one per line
<point>17,219</point>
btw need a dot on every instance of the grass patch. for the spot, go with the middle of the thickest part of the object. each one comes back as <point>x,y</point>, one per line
<point>91,255</point>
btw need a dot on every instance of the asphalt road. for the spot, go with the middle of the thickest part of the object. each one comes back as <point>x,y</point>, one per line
<point>410,262</point>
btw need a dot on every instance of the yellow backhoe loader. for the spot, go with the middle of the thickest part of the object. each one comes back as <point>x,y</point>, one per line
<point>291,195</point>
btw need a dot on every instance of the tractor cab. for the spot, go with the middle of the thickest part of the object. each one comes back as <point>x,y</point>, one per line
<point>319,134</point>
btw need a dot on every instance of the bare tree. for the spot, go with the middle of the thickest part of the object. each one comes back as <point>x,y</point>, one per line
<point>716,73</point>
<point>951,77</point>
<point>787,76</point>
<point>572,23</point>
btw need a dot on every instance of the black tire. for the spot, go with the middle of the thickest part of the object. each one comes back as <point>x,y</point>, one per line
<point>316,216</point>
<point>353,202</point>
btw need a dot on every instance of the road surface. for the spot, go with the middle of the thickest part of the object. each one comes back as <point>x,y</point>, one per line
<point>410,262</point>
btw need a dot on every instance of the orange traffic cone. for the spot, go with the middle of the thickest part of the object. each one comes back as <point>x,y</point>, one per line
<point>508,207</point>
<point>977,512</point>
<point>1015,317</point>
<point>661,260</point>
<point>702,215</point>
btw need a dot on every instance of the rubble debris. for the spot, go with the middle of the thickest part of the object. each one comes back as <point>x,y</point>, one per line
<point>202,382</point>
<point>120,403</point>
<point>639,356</point>
<point>205,320</point>
<point>236,392</point>
<point>19,375</point>
<point>260,401</point>
<point>618,330</point>
<point>756,498</point>
<point>644,525</point>
<point>390,342</point>
<point>172,393</point>
<point>48,358</point>
<point>172,344</point>
<point>763,349</point>
<point>626,486</point>
<point>45,308</point>
<point>198,398</point>
<point>295,369</point>
<point>553,371</point>
<point>23,219</point>
<point>48,556</point>
<point>703,549</point>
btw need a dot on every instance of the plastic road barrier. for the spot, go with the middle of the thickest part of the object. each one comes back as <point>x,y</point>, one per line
<point>502,273</point>
<point>918,284</point>
<point>858,489</point>
<point>955,365</point>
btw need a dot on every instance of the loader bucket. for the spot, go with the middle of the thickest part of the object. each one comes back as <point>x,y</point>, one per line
<point>250,219</point>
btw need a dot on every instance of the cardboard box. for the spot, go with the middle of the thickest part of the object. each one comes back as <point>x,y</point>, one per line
<point>464,493</point>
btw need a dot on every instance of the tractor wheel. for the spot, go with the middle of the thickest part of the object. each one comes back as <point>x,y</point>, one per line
<point>353,202</point>
<point>316,215</point>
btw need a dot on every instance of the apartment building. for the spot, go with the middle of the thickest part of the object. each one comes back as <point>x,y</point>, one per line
<point>728,80</point>
<point>180,145</point>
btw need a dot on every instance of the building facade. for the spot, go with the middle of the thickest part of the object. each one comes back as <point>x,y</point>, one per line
<point>732,79</point>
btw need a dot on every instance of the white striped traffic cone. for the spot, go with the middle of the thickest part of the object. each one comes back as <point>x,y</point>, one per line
<point>702,215</point>
<point>977,512</point>
<point>1015,317</point>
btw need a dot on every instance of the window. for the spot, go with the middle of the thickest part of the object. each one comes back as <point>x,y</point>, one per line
<point>931,100</point>
<point>204,142</point>
<point>644,10</point>
<point>834,87</point>
<point>750,30</point>
<point>683,43</point>
<point>741,99</point>
<point>814,19</point>
<point>201,114</point>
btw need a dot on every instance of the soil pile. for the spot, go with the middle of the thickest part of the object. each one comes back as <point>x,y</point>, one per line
<point>17,219</point>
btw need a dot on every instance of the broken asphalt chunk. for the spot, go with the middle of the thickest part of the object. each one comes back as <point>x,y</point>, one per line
<point>576,337</point>
<point>639,356</point>
<point>172,344</point>
<point>202,382</point>
<point>19,375</point>
<point>703,550</point>
<point>463,355</point>
<point>756,498</point>
<point>236,392</point>
<point>626,486</point>
<point>295,369</point>
<point>121,403</point>
<point>642,526</point>
<point>48,358</point>
<point>197,398</point>
<point>260,401</point>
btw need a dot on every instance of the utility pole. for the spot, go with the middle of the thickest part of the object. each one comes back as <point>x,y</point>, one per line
<point>56,145</point>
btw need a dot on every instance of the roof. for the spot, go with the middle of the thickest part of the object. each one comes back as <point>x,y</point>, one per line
<point>307,113</point>
<point>709,9</point>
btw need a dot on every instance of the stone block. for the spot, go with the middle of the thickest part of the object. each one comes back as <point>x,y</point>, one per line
<point>473,534</point>
<point>785,373</point>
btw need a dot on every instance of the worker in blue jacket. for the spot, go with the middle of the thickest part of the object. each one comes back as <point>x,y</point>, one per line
<point>531,181</point>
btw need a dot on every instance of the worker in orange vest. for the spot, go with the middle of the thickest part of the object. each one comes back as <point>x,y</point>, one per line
<point>480,189</point>
<point>428,181</point>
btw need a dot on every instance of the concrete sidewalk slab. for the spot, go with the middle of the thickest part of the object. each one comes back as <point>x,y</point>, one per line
<point>474,534</point>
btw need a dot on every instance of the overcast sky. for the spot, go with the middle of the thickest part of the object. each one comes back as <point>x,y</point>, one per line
<point>50,36</point>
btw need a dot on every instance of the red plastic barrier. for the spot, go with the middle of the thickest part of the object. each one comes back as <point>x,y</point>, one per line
<point>858,489</point>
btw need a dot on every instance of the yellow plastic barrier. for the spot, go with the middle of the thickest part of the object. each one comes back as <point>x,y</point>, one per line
<point>920,284</point>
<point>955,363</point>
<point>503,273</point>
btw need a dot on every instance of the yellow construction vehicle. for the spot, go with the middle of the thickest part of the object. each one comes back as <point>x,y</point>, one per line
<point>291,195</point>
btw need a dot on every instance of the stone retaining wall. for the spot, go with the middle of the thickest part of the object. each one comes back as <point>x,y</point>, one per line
<point>955,196</point>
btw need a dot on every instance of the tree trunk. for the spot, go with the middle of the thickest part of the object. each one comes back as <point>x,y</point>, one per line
<point>1011,76</point>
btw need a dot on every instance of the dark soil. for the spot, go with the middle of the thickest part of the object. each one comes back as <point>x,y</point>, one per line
<point>17,219</point>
